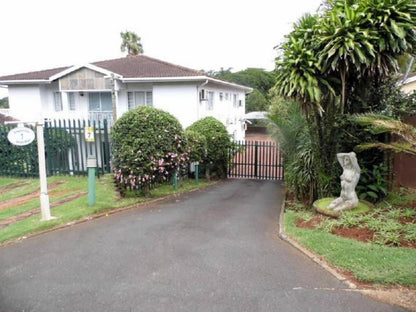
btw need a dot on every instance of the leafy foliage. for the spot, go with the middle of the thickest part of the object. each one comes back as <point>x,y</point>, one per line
<point>148,146</point>
<point>373,184</point>
<point>4,102</point>
<point>197,145</point>
<point>218,144</point>
<point>290,128</point>
<point>131,43</point>
<point>260,80</point>
<point>381,124</point>
<point>332,62</point>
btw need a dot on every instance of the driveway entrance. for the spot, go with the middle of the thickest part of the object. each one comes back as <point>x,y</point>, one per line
<point>260,160</point>
<point>211,250</point>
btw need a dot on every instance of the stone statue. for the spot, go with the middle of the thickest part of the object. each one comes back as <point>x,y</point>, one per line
<point>349,179</point>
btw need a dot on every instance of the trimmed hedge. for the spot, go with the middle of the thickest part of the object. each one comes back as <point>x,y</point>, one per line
<point>218,145</point>
<point>148,147</point>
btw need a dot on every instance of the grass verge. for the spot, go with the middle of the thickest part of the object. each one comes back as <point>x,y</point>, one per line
<point>77,209</point>
<point>366,261</point>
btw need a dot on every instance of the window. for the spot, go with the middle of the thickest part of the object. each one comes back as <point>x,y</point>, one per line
<point>58,101</point>
<point>71,101</point>
<point>100,102</point>
<point>210,103</point>
<point>221,96</point>
<point>227,96</point>
<point>139,98</point>
<point>234,100</point>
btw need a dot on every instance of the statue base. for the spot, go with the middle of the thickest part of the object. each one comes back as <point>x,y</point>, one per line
<point>321,205</point>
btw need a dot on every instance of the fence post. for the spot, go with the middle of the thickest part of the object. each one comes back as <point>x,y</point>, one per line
<point>107,147</point>
<point>91,165</point>
<point>255,158</point>
<point>197,173</point>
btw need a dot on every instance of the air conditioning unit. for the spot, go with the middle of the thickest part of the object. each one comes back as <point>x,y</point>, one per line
<point>203,95</point>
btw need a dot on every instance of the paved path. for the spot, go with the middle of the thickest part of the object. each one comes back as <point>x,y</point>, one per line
<point>213,250</point>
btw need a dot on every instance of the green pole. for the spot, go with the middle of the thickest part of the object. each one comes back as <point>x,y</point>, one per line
<point>196,173</point>
<point>91,164</point>
<point>175,181</point>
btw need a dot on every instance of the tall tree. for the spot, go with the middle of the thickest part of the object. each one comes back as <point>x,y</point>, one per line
<point>131,43</point>
<point>328,58</point>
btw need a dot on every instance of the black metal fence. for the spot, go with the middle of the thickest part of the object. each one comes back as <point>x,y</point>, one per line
<point>66,149</point>
<point>256,160</point>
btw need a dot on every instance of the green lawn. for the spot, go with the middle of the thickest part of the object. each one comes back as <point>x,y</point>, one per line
<point>370,262</point>
<point>106,200</point>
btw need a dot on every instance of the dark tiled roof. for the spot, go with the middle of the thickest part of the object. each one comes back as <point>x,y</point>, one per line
<point>37,75</point>
<point>139,66</point>
<point>4,118</point>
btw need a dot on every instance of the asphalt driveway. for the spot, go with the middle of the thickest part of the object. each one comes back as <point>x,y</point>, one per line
<point>211,250</point>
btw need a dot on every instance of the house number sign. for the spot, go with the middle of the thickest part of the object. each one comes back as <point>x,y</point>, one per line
<point>21,136</point>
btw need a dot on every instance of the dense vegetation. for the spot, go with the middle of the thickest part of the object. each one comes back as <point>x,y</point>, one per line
<point>333,65</point>
<point>148,147</point>
<point>218,144</point>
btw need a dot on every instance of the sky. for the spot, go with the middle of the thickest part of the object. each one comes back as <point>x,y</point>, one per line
<point>207,35</point>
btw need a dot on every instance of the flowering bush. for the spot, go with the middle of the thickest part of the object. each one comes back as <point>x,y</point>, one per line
<point>197,144</point>
<point>148,147</point>
<point>218,145</point>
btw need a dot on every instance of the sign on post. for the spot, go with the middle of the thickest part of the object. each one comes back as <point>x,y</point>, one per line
<point>89,134</point>
<point>21,136</point>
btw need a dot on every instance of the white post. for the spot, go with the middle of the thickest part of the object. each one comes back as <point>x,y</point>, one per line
<point>44,197</point>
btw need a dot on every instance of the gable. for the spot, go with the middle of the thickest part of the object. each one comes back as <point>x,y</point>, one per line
<point>84,79</point>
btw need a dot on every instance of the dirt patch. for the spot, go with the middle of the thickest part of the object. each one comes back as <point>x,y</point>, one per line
<point>10,187</point>
<point>32,212</point>
<point>24,199</point>
<point>310,224</point>
<point>360,234</point>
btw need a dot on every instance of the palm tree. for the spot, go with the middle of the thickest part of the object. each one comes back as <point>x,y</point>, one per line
<point>346,43</point>
<point>378,124</point>
<point>131,43</point>
<point>298,73</point>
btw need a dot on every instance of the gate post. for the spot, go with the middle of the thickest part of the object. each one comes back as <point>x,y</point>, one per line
<point>255,158</point>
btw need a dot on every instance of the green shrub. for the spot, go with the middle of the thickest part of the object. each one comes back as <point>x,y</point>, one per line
<point>197,145</point>
<point>218,145</point>
<point>148,146</point>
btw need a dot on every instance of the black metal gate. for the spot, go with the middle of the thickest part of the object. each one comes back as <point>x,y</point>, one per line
<point>255,160</point>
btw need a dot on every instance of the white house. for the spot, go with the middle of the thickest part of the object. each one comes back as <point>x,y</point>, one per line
<point>88,91</point>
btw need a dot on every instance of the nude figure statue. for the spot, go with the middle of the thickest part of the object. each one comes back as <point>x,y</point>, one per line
<point>349,179</point>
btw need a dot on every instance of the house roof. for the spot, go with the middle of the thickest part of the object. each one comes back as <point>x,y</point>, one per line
<point>36,75</point>
<point>141,66</point>
<point>138,66</point>
<point>128,69</point>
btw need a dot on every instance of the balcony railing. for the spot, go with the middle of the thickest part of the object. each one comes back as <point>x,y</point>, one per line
<point>100,116</point>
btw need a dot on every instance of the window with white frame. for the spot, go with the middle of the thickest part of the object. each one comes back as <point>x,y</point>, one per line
<point>58,101</point>
<point>234,100</point>
<point>139,98</point>
<point>210,102</point>
<point>71,101</point>
<point>221,96</point>
<point>100,102</point>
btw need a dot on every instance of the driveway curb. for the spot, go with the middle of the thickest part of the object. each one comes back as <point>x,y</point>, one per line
<point>324,264</point>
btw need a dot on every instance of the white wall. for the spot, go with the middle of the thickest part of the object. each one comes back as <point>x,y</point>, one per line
<point>224,110</point>
<point>178,99</point>
<point>25,102</point>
